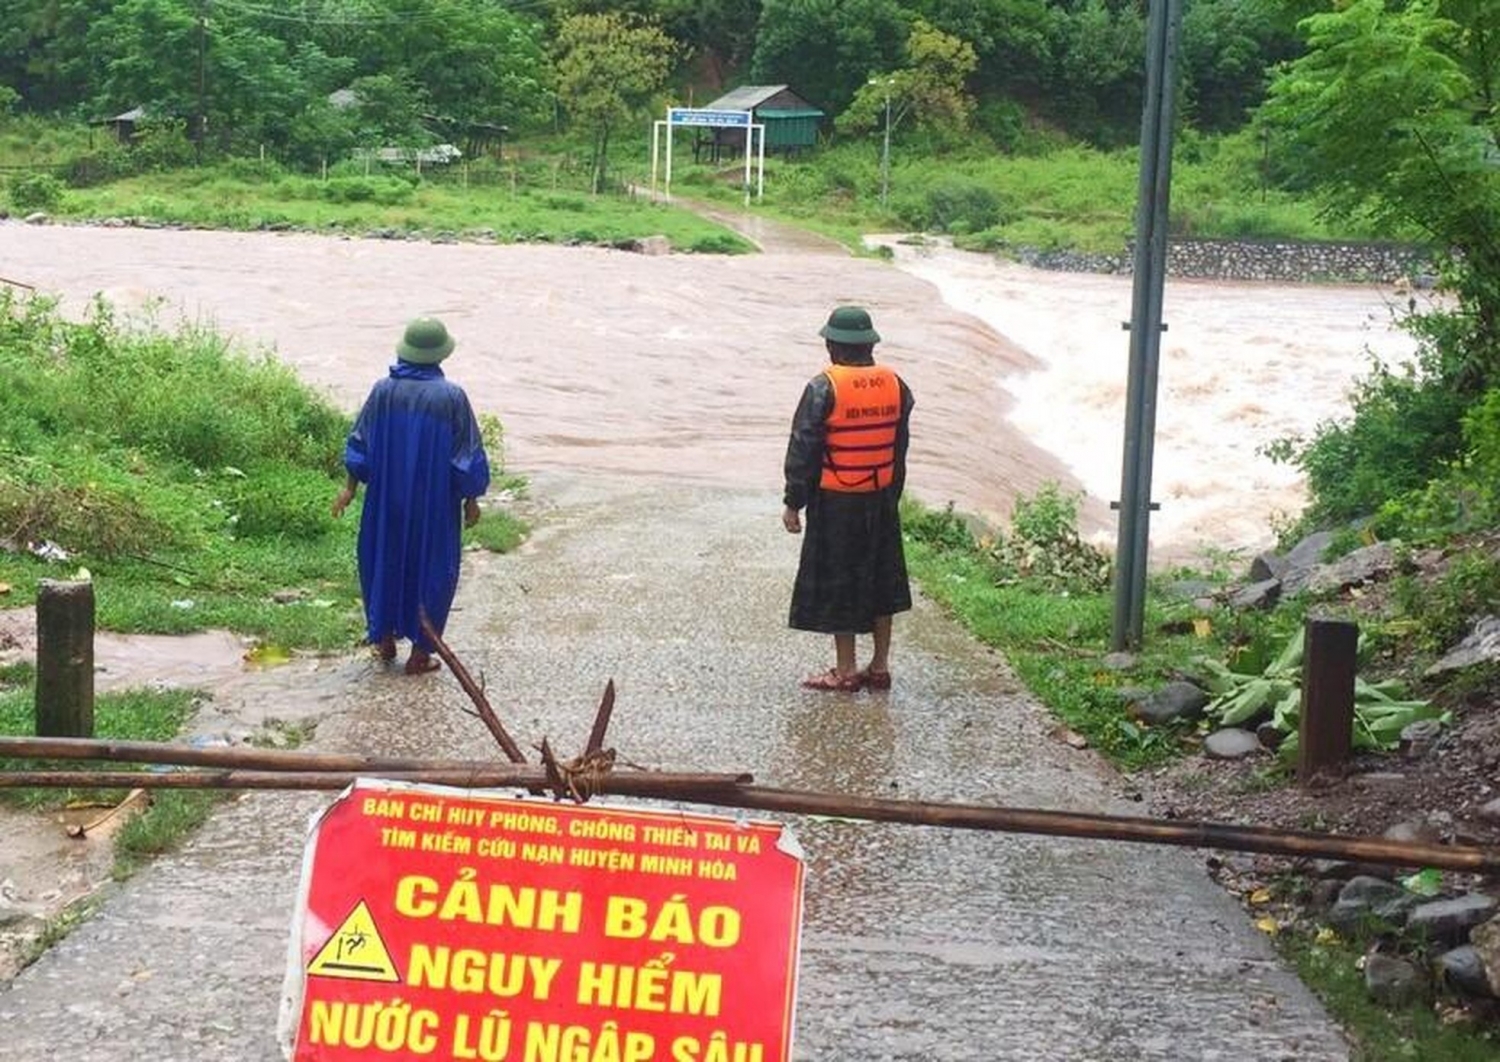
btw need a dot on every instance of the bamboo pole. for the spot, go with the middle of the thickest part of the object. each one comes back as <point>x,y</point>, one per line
<point>1482,860</point>
<point>302,770</point>
<point>30,748</point>
<point>694,788</point>
<point>481,703</point>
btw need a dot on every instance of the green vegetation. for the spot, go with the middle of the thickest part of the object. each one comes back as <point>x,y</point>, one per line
<point>253,196</point>
<point>1331,967</point>
<point>1035,594</point>
<point>191,480</point>
<point>1381,709</point>
<point>1075,198</point>
<point>136,715</point>
<point>1389,110</point>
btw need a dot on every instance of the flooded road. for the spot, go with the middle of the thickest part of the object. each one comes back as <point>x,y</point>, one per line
<point>688,367</point>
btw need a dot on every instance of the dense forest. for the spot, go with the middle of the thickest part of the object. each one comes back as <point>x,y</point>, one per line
<point>263,71</point>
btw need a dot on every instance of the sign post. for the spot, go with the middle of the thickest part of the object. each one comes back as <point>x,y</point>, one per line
<point>449,923</point>
<point>705,117</point>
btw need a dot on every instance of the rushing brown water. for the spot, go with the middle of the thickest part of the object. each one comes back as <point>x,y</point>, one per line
<point>690,366</point>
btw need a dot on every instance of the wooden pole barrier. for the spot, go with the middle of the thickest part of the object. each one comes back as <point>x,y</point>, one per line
<point>732,791</point>
<point>692,788</point>
<point>1326,728</point>
<point>65,658</point>
<point>237,757</point>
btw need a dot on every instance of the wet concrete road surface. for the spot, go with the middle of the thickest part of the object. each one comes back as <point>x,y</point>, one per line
<point>918,943</point>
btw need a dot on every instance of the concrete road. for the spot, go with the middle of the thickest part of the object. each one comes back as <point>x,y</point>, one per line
<point>918,943</point>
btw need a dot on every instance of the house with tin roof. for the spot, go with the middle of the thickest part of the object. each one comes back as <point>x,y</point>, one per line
<point>791,122</point>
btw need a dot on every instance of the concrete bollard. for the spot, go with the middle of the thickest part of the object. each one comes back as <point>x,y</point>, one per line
<point>65,658</point>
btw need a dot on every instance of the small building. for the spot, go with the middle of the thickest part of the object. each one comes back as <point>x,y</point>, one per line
<point>124,125</point>
<point>791,122</point>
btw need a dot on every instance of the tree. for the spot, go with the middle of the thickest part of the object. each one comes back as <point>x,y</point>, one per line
<point>1010,40</point>
<point>1393,112</point>
<point>44,53</point>
<point>930,88</point>
<point>1227,48</point>
<point>248,84</point>
<point>609,68</point>
<point>1097,77</point>
<point>825,49</point>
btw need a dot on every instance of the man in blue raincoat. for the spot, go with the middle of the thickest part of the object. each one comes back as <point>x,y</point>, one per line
<point>416,446</point>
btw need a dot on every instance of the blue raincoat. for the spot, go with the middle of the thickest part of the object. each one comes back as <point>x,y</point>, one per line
<point>417,448</point>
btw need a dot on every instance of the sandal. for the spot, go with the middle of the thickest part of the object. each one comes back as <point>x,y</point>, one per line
<point>833,682</point>
<point>420,664</point>
<point>874,680</point>
<point>386,648</point>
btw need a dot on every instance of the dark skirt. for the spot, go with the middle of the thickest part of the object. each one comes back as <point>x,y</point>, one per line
<point>853,567</point>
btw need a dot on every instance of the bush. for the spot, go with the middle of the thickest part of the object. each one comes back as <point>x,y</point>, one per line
<point>1044,548</point>
<point>36,191</point>
<point>718,243</point>
<point>163,146</point>
<point>1405,427</point>
<point>109,163</point>
<point>387,191</point>
<point>942,529</point>
<point>961,202</point>
<point>256,169</point>
<point>282,501</point>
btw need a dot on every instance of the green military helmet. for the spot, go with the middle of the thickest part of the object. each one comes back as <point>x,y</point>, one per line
<point>850,324</point>
<point>426,342</point>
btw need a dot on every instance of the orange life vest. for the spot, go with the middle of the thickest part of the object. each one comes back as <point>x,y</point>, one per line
<point>859,453</point>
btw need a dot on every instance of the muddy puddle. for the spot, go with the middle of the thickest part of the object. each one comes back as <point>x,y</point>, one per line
<point>689,367</point>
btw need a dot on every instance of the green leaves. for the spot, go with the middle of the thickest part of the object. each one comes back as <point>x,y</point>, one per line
<point>1381,709</point>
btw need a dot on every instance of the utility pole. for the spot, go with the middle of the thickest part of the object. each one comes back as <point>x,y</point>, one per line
<point>1163,32</point>
<point>200,123</point>
<point>885,151</point>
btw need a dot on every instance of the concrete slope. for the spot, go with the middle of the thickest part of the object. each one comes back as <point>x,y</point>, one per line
<point>919,943</point>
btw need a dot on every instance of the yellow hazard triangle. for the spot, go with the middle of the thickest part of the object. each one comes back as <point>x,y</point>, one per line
<point>355,951</point>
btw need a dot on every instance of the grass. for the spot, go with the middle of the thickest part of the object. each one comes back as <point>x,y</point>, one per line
<point>1056,644</point>
<point>1066,198</point>
<point>192,480</point>
<point>162,827</point>
<point>1406,1034</point>
<point>244,196</point>
<point>135,715</point>
<point>1056,634</point>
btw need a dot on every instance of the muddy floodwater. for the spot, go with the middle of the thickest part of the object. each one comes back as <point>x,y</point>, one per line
<point>689,366</point>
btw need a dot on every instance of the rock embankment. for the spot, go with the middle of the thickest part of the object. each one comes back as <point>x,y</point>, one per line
<point>1297,261</point>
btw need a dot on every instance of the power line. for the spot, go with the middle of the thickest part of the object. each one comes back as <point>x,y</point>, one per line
<point>372,20</point>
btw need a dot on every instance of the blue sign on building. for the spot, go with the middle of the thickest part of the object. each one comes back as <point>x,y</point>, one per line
<point>704,116</point>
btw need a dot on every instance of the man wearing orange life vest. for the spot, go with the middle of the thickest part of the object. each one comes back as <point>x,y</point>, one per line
<point>846,465</point>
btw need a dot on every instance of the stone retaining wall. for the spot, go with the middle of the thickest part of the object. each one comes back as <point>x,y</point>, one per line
<point>1279,260</point>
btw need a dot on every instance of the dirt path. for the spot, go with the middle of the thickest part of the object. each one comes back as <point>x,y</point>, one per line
<point>919,944</point>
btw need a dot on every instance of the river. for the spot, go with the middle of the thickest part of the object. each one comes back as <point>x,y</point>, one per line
<point>689,366</point>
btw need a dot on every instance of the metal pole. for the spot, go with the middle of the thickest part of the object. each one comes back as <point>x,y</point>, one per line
<point>655,151</point>
<point>760,185</point>
<point>202,121</point>
<point>667,190</point>
<point>885,151</point>
<point>1149,270</point>
<point>749,153</point>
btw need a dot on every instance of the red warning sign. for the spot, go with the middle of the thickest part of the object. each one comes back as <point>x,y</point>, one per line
<point>442,924</point>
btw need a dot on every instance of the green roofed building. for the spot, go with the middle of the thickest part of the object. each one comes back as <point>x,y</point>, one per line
<point>791,122</point>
